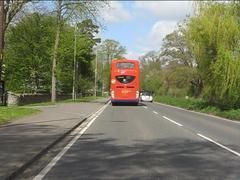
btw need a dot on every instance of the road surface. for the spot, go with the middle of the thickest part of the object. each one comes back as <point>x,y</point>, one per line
<point>150,141</point>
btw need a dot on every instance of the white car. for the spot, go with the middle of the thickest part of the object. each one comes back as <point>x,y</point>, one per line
<point>146,96</point>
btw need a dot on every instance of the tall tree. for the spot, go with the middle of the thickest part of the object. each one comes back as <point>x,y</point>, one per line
<point>8,10</point>
<point>112,49</point>
<point>27,54</point>
<point>71,11</point>
<point>151,72</point>
<point>177,56</point>
<point>175,47</point>
<point>108,50</point>
<point>215,36</point>
<point>85,40</point>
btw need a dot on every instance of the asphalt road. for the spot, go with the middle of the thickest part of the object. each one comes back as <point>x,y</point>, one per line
<point>151,141</point>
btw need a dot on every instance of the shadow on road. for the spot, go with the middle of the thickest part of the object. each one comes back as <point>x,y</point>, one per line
<point>129,104</point>
<point>95,157</point>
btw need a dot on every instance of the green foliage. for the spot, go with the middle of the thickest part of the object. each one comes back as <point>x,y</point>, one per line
<point>151,74</point>
<point>28,53</point>
<point>84,57</point>
<point>108,50</point>
<point>215,38</point>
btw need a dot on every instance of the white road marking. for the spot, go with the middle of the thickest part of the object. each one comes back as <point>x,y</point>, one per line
<point>155,112</point>
<point>222,146</point>
<point>145,107</point>
<point>204,114</point>
<point>172,121</point>
<point>53,162</point>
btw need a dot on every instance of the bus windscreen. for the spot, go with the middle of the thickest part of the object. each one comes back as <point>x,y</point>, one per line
<point>125,65</point>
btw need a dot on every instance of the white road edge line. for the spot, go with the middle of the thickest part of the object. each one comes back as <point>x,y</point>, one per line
<point>53,162</point>
<point>155,112</point>
<point>145,107</point>
<point>172,121</point>
<point>222,146</point>
<point>200,113</point>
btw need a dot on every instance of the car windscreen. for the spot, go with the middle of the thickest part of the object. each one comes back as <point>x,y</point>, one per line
<point>125,65</point>
<point>125,79</point>
<point>146,94</point>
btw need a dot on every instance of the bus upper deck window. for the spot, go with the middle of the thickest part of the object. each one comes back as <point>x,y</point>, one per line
<point>125,65</point>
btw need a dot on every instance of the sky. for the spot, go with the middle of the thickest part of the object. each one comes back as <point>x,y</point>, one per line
<point>140,26</point>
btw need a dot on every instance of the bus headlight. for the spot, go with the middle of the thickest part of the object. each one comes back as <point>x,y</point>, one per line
<point>137,94</point>
<point>112,94</point>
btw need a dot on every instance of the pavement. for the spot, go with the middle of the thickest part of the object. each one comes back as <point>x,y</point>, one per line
<point>25,139</point>
<point>150,141</point>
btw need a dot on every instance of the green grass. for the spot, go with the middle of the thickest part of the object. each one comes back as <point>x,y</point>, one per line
<point>78,100</point>
<point>8,114</point>
<point>200,106</point>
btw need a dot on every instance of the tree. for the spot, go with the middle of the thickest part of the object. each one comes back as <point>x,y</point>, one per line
<point>215,36</point>
<point>175,47</point>
<point>70,11</point>
<point>151,72</point>
<point>177,56</point>
<point>108,50</point>
<point>85,40</point>
<point>27,54</point>
<point>112,49</point>
<point>8,10</point>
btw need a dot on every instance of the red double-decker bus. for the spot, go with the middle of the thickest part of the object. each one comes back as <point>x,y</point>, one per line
<point>125,77</point>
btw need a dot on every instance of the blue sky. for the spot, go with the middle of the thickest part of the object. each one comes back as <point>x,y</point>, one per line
<point>141,25</point>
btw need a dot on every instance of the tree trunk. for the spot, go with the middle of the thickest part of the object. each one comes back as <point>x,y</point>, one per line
<point>55,50</point>
<point>74,96</point>
<point>1,37</point>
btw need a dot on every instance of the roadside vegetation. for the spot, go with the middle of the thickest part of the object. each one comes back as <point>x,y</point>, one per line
<point>56,51</point>
<point>199,59</point>
<point>78,100</point>
<point>200,106</point>
<point>8,114</point>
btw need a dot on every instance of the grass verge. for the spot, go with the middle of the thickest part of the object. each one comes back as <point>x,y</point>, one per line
<point>200,106</point>
<point>8,114</point>
<point>83,99</point>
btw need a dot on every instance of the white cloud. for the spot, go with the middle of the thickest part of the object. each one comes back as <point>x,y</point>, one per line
<point>153,40</point>
<point>115,12</point>
<point>167,14</point>
<point>166,10</point>
<point>159,30</point>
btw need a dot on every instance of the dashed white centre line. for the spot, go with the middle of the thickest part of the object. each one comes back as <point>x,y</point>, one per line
<point>172,121</point>
<point>222,146</point>
<point>53,162</point>
<point>155,112</point>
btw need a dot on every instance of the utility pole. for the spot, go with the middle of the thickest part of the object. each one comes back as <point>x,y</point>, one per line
<point>95,82</point>
<point>74,65</point>
<point>1,37</point>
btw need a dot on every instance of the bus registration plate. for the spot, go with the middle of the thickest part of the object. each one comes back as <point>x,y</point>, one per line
<point>125,91</point>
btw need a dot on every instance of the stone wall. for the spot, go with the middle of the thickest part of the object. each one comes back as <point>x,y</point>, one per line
<point>24,99</point>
